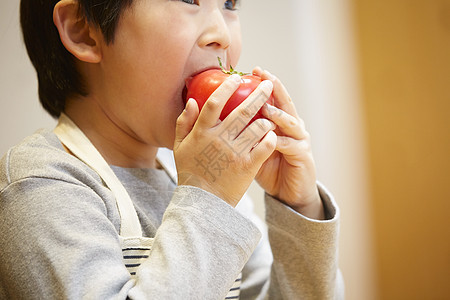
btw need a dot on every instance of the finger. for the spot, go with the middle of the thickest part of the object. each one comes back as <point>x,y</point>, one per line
<point>252,135</point>
<point>213,106</point>
<point>262,151</point>
<point>257,71</point>
<point>186,121</point>
<point>281,96</point>
<point>289,125</point>
<point>241,116</point>
<point>291,148</point>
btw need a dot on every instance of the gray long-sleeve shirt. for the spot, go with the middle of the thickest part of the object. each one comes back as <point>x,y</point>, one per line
<point>59,238</point>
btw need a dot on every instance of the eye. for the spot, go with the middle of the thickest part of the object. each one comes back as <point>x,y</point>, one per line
<point>232,4</point>
<point>190,1</point>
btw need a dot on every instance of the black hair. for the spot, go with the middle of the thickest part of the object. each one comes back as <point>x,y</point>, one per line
<point>58,77</point>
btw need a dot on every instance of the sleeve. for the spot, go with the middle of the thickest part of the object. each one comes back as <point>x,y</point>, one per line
<point>297,257</point>
<point>200,249</point>
<point>58,243</point>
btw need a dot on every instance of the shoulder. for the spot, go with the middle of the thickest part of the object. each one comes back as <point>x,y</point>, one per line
<point>41,155</point>
<point>38,175</point>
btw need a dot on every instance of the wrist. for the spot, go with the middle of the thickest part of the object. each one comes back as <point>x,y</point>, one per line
<point>199,182</point>
<point>313,208</point>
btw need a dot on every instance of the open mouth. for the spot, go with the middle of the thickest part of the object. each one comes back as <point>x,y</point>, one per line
<point>184,94</point>
<point>186,85</point>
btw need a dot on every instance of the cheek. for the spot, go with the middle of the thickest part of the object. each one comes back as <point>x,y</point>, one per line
<point>234,52</point>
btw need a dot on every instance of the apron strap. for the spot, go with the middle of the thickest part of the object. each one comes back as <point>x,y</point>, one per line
<point>76,141</point>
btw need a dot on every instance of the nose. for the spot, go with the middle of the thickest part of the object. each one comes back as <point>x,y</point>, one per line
<point>216,33</point>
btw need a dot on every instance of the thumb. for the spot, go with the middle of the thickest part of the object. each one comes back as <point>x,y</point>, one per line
<point>186,121</point>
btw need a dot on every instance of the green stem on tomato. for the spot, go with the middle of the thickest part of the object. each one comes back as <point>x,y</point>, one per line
<point>231,71</point>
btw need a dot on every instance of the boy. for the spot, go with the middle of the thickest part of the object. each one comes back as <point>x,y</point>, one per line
<point>90,210</point>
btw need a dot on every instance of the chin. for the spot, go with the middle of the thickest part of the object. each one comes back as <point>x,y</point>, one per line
<point>168,140</point>
<point>170,147</point>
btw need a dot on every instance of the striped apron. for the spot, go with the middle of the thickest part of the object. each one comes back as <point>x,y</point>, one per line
<point>135,247</point>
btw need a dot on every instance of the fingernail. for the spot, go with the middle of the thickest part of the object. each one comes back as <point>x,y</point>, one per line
<point>257,70</point>
<point>267,87</point>
<point>274,126</point>
<point>236,78</point>
<point>269,110</point>
<point>269,107</point>
<point>187,107</point>
<point>269,124</point>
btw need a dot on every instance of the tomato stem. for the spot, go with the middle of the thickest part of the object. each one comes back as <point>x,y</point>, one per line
<point>231,71</point>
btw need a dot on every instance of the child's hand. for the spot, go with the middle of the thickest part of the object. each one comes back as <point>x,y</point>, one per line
<point>289,174</point>
<point>220,156</point>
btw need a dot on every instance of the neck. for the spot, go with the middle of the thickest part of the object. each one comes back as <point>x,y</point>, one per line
<point>117,144</point>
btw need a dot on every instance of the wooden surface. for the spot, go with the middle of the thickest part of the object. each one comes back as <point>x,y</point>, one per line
<point>404,48</point>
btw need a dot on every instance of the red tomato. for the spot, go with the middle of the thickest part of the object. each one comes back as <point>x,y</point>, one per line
<point>201,86</point>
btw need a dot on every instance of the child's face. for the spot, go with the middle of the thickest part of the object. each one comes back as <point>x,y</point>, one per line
<point>158,44</point>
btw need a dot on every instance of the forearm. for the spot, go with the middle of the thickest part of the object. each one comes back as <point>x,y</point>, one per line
<point>199,250</point>
<point>305,252</point>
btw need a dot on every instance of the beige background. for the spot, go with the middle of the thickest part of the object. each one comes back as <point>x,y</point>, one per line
<point>370,78</point>
<point>405,73</point>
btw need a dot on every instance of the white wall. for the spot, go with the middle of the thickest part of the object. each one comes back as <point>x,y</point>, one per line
<point>20,110</point>
<point>309,46</point>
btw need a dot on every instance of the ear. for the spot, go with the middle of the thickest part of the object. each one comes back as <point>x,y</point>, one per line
<point>77,35</point>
